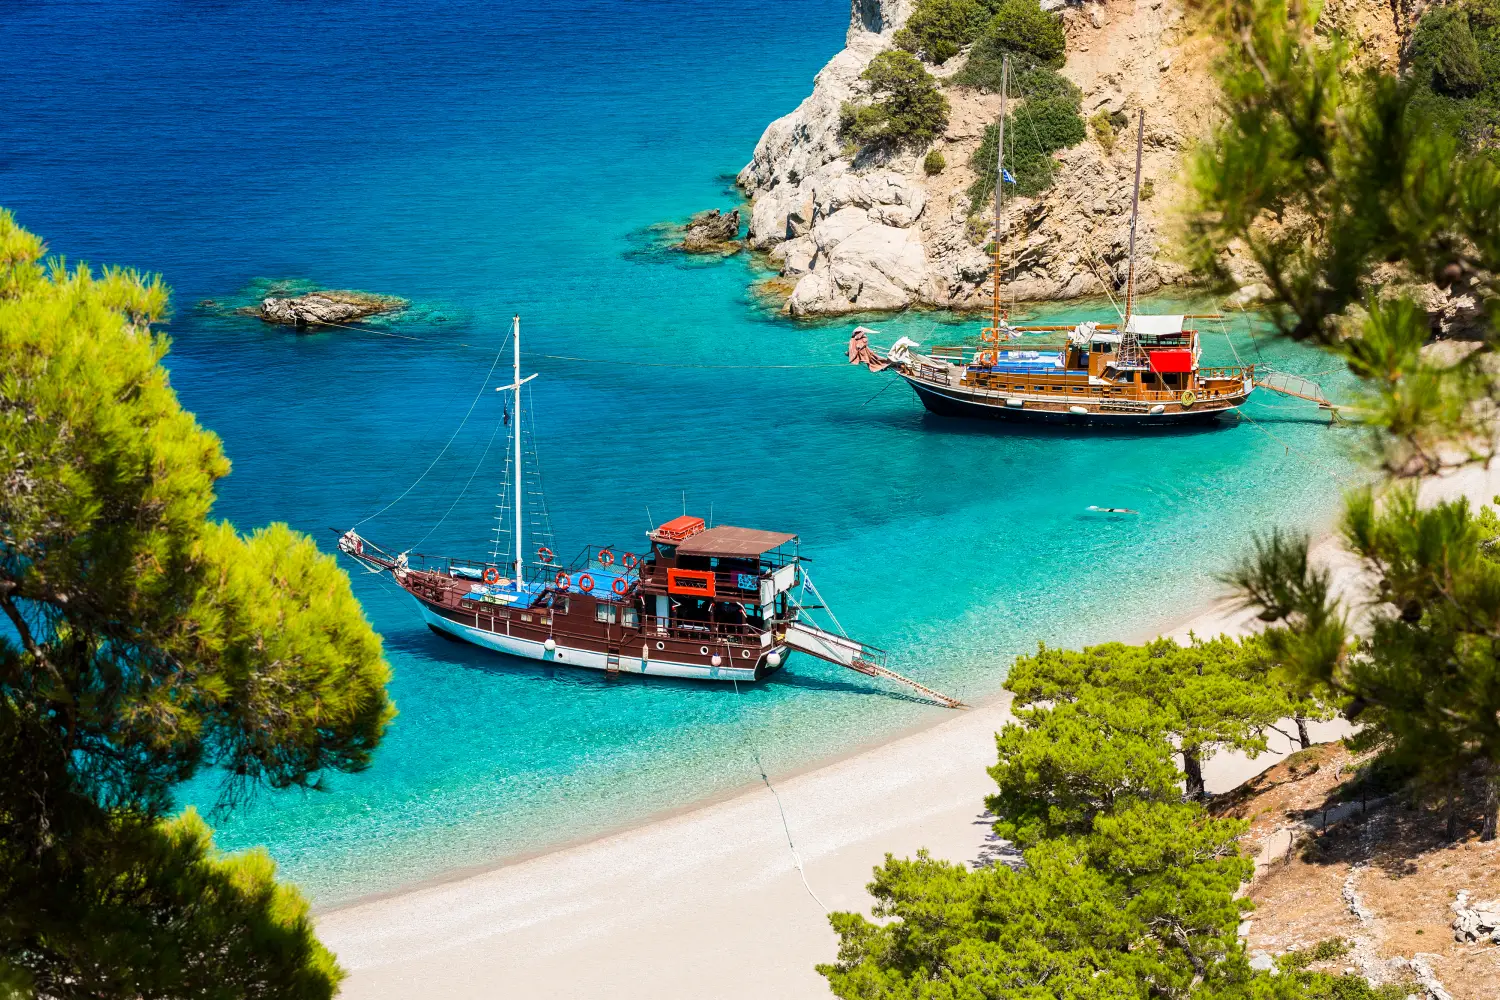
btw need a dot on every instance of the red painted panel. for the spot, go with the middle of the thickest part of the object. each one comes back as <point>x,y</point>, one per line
<point>1175,360</point>
<point>696,583</point>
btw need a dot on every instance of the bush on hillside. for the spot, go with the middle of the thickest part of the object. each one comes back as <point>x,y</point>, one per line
<point>1034,132</point>
<point>934,163</point>
<point>906,109</point>
<point>937,29</point>
<point>1445,51</point>
<point>1022,26</point>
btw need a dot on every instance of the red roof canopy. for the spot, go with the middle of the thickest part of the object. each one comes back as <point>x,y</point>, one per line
<point>1171,360</point>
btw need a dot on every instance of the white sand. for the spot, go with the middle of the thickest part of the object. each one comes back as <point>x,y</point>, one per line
<point>708,903</point>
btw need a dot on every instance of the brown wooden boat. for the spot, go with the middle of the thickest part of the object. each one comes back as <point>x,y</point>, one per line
<point>1142,372</point>
<point>699,602</point>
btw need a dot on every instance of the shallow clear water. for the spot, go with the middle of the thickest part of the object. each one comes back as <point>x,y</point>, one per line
<point>485,160</point>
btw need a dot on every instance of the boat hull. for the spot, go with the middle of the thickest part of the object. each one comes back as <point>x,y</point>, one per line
<point>588,659</point>
<point>949,403</point>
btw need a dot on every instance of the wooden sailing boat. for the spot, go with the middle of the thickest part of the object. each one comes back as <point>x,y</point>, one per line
<point>699,602</point>
<point>1142,371</point>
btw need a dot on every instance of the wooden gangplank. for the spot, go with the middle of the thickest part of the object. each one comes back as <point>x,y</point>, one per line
<point>1298,388</point>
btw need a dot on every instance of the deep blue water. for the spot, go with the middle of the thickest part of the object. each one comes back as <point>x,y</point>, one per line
<point>484,160</point>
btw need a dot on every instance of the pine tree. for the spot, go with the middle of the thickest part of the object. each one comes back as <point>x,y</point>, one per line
<point>146,642</point>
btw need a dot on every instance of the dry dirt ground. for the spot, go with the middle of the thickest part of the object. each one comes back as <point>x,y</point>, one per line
<point>1337,859</point>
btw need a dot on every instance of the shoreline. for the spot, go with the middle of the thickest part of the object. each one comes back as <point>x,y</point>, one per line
<point>725,897</point>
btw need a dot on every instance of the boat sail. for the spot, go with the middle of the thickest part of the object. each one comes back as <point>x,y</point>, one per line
<point>699,602</point>
<point>1143,371</point>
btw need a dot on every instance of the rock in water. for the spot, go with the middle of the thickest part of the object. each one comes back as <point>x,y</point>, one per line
<point>713,232</point>
<point>326,307</point>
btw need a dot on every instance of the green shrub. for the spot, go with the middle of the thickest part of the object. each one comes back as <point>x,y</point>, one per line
<point>1022,26</point>
<point>934,163</point>
<point>907,108</point>
<point>1104,130</point>
<point>1034,132</point>
<point>1032,60</point>
<point>1147,189</point>
<point>937,29</point>
<point>1444,50</point>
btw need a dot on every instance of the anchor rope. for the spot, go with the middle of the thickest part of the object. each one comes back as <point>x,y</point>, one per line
<point>780,807</point>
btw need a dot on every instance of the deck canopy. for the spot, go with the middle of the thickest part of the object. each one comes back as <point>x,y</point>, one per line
<point>1145,325</point>
<point>740,543</point>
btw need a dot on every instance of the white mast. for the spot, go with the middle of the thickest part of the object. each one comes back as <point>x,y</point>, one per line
<point>515,495</point>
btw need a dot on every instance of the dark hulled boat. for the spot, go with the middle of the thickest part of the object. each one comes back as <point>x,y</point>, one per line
<point>699,602</point>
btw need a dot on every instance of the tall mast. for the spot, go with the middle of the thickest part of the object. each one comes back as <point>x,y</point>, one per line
<point>517,485</point>
<point>1000,187</point>
<point>1135,211</point>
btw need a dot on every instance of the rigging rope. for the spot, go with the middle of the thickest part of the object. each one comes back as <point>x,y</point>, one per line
<point>482,386</point>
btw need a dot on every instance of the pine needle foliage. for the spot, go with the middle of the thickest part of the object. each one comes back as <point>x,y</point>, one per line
<point>1033,132</point>
<point>1124,890</point>
<point>906,109</point>
<point>144,642</point>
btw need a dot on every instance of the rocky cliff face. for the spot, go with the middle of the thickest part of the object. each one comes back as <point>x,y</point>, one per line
<point>855,234</point>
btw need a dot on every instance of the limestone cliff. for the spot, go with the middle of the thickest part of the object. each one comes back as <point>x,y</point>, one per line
<point>855,235</point>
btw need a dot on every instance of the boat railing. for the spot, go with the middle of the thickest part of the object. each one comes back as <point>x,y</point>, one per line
<point>676,628</point>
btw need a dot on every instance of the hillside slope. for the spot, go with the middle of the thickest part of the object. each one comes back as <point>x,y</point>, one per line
<point>878,233</point>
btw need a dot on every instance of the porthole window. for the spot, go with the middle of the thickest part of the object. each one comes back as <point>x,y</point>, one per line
<point>661,645</point>
<point>702,650</point>
<point>744,654</point>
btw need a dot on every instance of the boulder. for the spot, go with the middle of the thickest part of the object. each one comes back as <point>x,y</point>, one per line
<point>873,266</point>
<point>326,308</point>
<point>713,232</point>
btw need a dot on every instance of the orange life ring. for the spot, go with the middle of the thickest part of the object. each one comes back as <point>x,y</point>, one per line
<point>491,575</point>
<point>986,359</point>
<point>619,586</point>
<point>606,558</point>
<point>562,580</point>
<point>990,336</point>
<point>585,583</point>
<point>544,554</point>
<point>630,560</point>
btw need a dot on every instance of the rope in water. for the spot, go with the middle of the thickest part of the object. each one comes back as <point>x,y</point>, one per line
<point>785,826</point>
<point>591,361</point>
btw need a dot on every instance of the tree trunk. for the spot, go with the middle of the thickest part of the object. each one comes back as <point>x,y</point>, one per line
<point>1192,767</point>
<point>1302,732</point>
<point>1491,806</point>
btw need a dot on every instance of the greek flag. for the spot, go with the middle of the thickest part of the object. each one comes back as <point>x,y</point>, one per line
<point>1007,175</point>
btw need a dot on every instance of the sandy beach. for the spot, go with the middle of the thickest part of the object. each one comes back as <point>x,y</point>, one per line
<point>710,902</point>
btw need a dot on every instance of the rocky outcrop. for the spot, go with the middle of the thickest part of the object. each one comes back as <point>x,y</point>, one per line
<point>326,308</point>
<point>713,232</point>
<point>856,234</point>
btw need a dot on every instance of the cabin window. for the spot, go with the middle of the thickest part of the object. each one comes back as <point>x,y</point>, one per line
<point>630,618</point>
<point>526,618</point>
<point>604,613</point>
<point>505,614</point>
<point>1039,388</point>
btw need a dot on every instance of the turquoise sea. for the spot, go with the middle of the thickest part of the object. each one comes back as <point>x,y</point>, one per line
<point>488,159</point>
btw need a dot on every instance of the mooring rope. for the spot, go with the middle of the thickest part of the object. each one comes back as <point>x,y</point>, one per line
<point>785,826</point>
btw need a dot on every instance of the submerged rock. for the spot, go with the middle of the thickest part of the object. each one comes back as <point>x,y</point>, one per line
<point>326,307</point>
<point>713,232</point>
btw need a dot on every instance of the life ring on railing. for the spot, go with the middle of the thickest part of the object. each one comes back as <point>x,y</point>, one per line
<point>585,583</point>
<point>606,558</point>
<point>562,580</point>
<point>1188,399</point>
<point>630,560</point>
<point>986,359</point>
<point>619,586</point>
<point>491,575</point>
<point>544,554</point>
<point>990,336</point>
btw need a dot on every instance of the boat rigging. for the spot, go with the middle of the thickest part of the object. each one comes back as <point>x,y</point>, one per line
<point>701,603</point>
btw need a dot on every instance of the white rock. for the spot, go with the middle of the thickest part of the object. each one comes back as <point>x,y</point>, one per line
<point>873,267</point>
<point>834,229</point>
